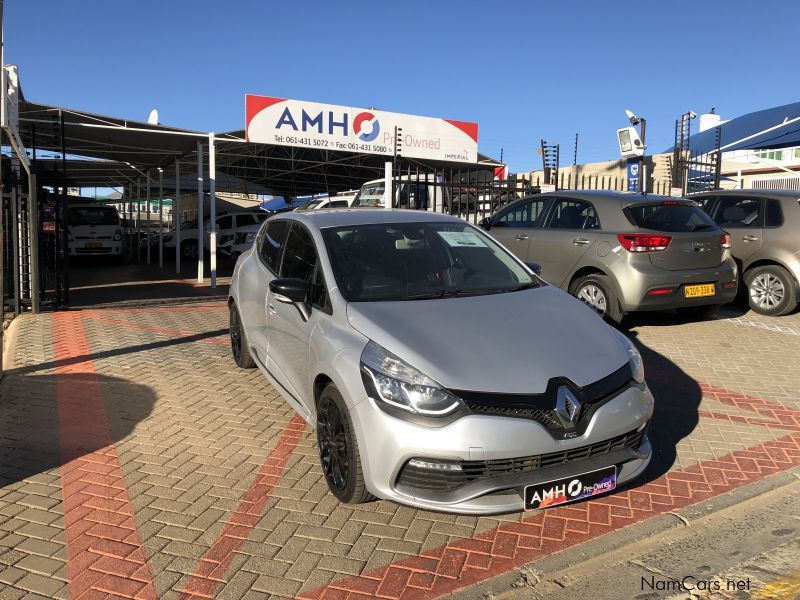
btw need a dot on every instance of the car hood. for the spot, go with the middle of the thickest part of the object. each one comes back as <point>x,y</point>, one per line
<point>503,343</point>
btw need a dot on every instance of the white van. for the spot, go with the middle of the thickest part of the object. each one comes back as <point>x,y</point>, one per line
<point>419,193</point>
<point>94,230</point>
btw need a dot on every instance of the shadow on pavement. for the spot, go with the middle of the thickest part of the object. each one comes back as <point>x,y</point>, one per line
<point>96,283</point>
<point>677,401</point>
<point>32,422</point>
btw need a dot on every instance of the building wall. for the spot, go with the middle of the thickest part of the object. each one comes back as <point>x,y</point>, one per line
<point>609,175</point>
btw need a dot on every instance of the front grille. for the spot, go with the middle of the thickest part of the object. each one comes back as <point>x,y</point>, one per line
<point>544,416</point>
<point>540,407</point>
<point>471,470</point>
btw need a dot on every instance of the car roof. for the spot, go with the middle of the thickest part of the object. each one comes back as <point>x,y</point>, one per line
<point>788,194</point>
<point>612,196</point>
<point>338,217</point>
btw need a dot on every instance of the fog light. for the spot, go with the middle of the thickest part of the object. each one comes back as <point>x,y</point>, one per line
<point>436,466</point>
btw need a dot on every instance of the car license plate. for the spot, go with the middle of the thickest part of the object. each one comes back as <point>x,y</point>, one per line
<point>569,489</point>
<point>94,245</point>
<point>699,291</point>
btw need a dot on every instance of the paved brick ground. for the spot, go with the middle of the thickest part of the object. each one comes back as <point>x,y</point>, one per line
<point>138,461</point>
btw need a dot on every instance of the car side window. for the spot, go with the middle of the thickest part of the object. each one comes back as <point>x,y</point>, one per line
<point>225,222</point>
<point>300,262</point>
<point>573,214</point>
<point>524,214</point>
<point>774,214</point>
<point>705,202</point>
<point>739,211</point>
<point>272,242</point>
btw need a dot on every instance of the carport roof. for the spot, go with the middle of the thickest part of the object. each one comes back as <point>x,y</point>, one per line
<point>129,148</point>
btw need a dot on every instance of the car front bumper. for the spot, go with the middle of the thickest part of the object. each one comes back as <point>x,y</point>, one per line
<point>104,248</point>
<point>387,444</point>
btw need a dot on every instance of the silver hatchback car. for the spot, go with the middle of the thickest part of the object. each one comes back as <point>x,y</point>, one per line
<point>438,369</point>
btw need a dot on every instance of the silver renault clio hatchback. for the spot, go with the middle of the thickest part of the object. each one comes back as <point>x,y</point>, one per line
<point>438,369</point>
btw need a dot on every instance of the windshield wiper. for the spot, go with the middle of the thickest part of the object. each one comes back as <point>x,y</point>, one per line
<point>463,293</point>
<point>526,286</point>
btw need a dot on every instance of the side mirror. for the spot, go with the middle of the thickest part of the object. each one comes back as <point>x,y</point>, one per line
<point>291,291</point>
<point>535,267</point>
<point>485,223</point>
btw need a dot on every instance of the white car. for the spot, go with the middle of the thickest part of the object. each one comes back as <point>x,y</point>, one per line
<point>339,201</point>
<point>94,230</point>
<point>243,240</point>
<point>227,224</point>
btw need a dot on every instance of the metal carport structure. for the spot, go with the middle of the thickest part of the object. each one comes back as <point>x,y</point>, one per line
<point>93,150</point>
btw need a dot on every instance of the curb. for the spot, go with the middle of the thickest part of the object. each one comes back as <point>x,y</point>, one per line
<point>546,568</point>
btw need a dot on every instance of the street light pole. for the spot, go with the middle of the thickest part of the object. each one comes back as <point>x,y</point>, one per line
<point>642,164</point>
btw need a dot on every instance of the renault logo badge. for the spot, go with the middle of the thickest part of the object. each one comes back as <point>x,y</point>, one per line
<point>568,407</point>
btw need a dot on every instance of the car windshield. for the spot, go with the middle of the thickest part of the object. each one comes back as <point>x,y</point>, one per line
<point>417,261</point>
<point>669,217</point>
<point>371,194</point>
<point>93,215</point>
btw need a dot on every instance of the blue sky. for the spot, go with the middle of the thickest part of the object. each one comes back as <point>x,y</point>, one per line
<point>522,70</point>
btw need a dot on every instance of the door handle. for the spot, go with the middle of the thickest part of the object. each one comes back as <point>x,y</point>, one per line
<point>521,237</point>
<point>750,238</point>
<point>579,241</point>
<point>271,308</point>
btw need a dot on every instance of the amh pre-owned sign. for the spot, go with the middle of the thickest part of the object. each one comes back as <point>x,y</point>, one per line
<point>344,128</point>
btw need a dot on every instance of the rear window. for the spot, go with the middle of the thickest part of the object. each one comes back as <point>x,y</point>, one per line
<point>669,217</point>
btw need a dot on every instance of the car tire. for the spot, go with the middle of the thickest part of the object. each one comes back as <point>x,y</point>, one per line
<point>239,347</point>
<point>596,291</point>
<point>698,313</point>
<point>189,250</point>
<point>770,290</point>
<point>338,449</point>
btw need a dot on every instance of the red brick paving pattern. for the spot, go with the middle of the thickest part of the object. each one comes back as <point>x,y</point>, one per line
<point>211,571</point>
<point>104,552</point>
<point>104,549</point>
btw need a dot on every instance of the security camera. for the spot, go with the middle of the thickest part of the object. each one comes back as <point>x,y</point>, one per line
<point>632,117</point>
<point>692,114</point>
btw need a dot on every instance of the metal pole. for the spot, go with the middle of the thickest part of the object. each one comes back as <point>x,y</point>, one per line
<point>2,236</point>
<point>201,234</point>
<point>15,245</point>
<point>160,218</point>
<point>212,191</point>
<point>387,184</point>
<point>147,227</point>
<point>138,220</point>
<point>176,218</point>
<point>33,239</point>
<point>642,164</point>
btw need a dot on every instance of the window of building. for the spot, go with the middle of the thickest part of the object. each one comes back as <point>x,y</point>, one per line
<point>770,154</point>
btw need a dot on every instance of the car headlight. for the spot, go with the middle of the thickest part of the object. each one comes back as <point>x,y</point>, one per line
<point>118,235</point>
<point>396,383</point>
<point>634,358</point>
